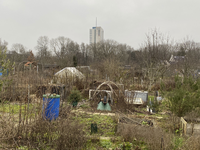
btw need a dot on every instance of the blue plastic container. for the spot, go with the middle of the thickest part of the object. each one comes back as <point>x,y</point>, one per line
<point>50,107</point>
<point>1,72</point>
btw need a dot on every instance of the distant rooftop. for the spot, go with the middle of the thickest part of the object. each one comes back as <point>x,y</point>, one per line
<point>176,58</point>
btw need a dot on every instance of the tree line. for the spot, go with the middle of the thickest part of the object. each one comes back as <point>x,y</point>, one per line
<point>65,51</point>
<point>151,58</point>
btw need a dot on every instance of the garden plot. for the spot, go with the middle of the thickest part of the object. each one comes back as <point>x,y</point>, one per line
<point>106,125</point>
<point>16,112</point>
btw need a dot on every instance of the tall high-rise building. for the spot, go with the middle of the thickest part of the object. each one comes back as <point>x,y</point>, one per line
<point>96,35</point>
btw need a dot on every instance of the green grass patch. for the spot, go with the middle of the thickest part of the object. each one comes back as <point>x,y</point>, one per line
<point>84,106</point>
<point>106,144</point>
<point>106,125</point>
<point>150,98</point>
<point>14,109</point>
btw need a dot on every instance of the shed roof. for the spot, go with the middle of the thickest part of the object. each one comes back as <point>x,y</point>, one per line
<point>176,58</point>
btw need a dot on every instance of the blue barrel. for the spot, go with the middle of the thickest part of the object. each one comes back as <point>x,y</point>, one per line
<point>51,106</point>
<point>1,72</point>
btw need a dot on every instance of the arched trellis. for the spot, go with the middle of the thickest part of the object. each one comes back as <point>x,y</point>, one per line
<point>108,83</point>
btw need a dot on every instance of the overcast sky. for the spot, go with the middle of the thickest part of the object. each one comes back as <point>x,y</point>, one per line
<point>125,21</point>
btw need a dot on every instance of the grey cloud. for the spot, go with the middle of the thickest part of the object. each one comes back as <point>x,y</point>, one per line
<point>23,21</point>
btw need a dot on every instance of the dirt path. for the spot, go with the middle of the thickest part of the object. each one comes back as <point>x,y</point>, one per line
<point>110,114</point>
<point>91,113</point>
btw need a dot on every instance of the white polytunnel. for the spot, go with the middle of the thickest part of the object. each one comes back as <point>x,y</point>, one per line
<point>68,73</point>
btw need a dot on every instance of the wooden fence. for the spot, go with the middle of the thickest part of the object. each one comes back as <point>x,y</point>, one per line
<point>180,123</point>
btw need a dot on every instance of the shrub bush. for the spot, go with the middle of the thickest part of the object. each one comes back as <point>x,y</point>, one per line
<point>75,95</point>
<point>144,136</point>
<point>62,133</point>
<point>185,96</point>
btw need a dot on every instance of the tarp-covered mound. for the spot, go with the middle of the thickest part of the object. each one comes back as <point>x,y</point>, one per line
<point>101,106</point>
<point>68,73</point>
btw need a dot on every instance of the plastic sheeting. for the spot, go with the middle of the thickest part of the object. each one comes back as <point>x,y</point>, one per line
<point>101,106</point>
<point>67,73</point>
<point>136,97</point>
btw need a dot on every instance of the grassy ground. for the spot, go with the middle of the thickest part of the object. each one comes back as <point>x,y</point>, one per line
<point>109,144</point>
<point>106,124</point>
<point>13,109</point>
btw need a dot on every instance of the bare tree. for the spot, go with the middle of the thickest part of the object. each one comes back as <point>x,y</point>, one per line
<point>18,53</point>
<point>190,50</point>
<point>64,49</point>
<point>19,48</point>
<point>3,45</point>
<point>153,55</point>
<point>60,46</point>
<point>43,51</point>
<point>103,50</point>
<point>106,49</point>
<point>123,52</point>
<point>84,53</point>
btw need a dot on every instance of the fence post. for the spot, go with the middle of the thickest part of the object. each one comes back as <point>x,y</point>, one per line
<point>20,118</point>
<point>162,143</point>
<point>174,129</point>
<point>28,95</point>
<point>184,125</point>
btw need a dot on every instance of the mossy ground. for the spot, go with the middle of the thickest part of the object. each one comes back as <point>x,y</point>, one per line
<point>106,125</point>
<point>108,144</point>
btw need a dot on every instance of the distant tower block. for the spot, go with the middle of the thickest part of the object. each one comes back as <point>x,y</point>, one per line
<point>96,34</point>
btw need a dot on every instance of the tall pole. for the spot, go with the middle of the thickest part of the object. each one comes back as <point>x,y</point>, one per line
<point>28,96</point>
<point>96,21</point>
